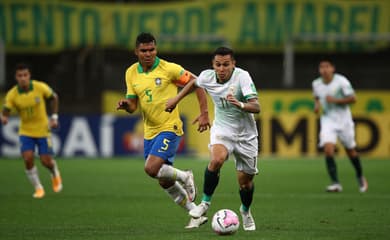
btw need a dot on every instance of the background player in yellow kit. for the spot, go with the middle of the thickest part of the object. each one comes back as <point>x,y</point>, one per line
<point>150,83</point>
<point>28,97</point>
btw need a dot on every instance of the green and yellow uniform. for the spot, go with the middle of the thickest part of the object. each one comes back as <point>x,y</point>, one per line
<point>153,89</point>
<point>31,107</point>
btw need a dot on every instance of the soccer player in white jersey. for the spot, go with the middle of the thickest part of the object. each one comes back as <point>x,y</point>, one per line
<point>333,92</point>
<point>233,131</point>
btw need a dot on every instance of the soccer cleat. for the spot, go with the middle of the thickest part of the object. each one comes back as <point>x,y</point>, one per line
<point>189,186</point>
<point>39,193</point>
<point>56,183</point>
<point>335,187</point>
<point>199,210</point>
<point>363,185</point>
<point>248,223</point>
<point>196,222</point>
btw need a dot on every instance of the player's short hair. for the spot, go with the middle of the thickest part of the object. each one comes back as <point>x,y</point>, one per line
<point>145,38</point>
<point>22,66</point>
<point>223,51</point>
<point>327,59</point>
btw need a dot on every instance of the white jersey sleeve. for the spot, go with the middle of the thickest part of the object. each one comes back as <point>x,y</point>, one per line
<point>248,88</point>
<point>346,87</point>
<point>204,77</point>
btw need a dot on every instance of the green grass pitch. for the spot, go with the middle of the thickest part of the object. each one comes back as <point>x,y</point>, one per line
<point>114,199</point>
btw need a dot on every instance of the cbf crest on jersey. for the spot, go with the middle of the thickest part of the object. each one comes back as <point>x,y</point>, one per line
<point>157,81</point>
<point>37,100</point>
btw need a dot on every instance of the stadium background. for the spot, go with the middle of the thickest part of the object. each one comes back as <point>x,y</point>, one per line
<point>82,48</point>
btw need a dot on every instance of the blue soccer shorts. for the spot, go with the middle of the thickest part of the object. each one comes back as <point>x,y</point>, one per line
<point>164,145</point>
<point>28,143</point>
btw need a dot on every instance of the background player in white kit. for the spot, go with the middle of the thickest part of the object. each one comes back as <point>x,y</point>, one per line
<point>333,92</point>
<point>234,128</point>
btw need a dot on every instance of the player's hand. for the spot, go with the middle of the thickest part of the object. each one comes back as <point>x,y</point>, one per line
<point>53,123</point>
<point>316,109</point>
<point>330,99</point>
<point>170,105</point>
<point>231,99</point>
<point>123,104</point>
<point>4,119</point>
<point>203,122</point>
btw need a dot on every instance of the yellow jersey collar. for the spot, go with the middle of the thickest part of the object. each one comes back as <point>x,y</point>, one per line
<point>21,90</point>
<point>155,64</point>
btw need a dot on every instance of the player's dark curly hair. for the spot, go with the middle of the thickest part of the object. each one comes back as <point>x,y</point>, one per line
<point>223,51</point>
<point>145,38</point>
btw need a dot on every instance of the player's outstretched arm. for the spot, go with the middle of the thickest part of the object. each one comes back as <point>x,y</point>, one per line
<point>172,102</point>
<point>128,105</point>
<point>203,118</point>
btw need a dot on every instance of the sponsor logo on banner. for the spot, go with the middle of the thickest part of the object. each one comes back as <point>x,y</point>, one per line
<point>89,136</point>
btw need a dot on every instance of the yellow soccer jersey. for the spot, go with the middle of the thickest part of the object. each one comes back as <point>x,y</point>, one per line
<point>153,89</point>
<point>31,107</point>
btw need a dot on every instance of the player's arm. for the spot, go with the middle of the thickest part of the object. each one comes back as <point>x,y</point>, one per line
<point>5,115</point>
<point>6,112</point>
<point>252,105</point>
<point>129,105</point>
<point>54,103</point>
<point>188,88</point>
<point>345,100</point>
<point>203,118</point>
<point>316,105</point>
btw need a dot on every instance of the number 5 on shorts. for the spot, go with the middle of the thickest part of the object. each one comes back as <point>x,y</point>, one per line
<point>166,144</point>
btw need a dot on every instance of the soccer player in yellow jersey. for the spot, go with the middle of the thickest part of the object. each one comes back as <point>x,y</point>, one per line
<point>28,98</point>
<point>150,83</point>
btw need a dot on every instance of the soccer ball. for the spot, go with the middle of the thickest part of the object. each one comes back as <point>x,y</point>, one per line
<point>225,222</point>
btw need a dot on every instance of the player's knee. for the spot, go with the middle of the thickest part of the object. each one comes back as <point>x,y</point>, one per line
<point>215,164</point>
<point>151,171</point>
<point>246,185</point>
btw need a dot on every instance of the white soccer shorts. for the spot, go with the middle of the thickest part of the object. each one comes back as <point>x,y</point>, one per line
<point>243,147</point>
<point>330,131</point>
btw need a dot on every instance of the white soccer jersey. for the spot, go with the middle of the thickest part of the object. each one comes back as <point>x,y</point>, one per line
<point>336,120</point>
<point>339,87</point>
<point>235,121</point>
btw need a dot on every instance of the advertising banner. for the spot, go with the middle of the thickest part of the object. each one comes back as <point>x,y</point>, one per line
<point>86,136</point>
<point>287,125</point>
<point>191,26</point>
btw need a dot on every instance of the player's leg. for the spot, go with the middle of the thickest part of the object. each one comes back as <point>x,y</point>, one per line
<point>45,152</point>
<point>168,183</point>
<point>247,189</point>
<point>219,153</point>
<point>355,160</point>
<point>160,153</point>
<point>347,138</point>
<point>245,155</point>
<point>328,139</point>
<point>27,149</point>
<point>178,184</point>
<point>329,149</point>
